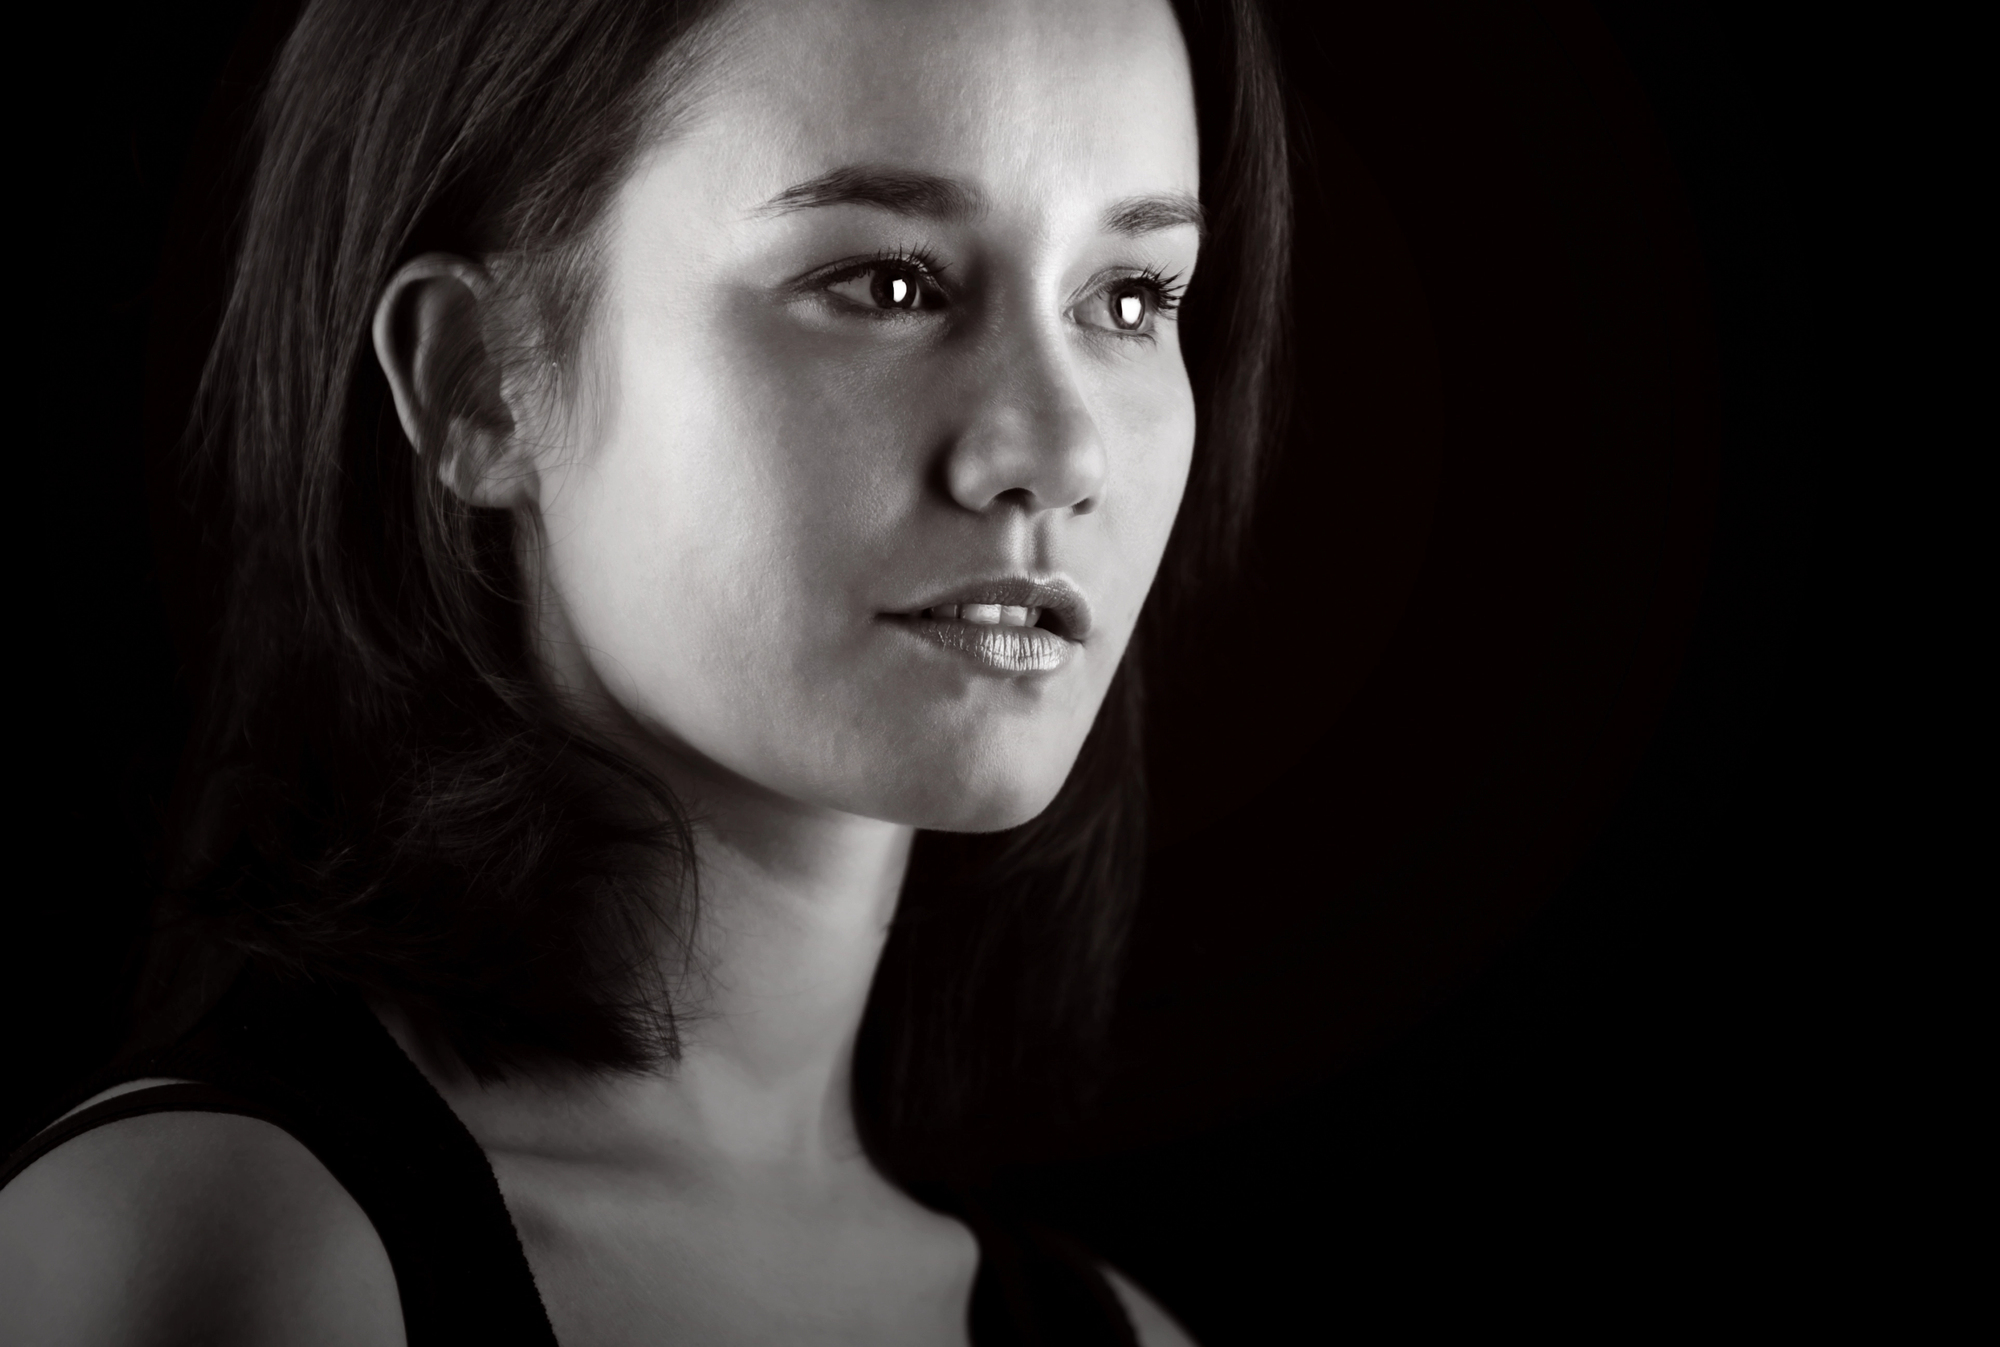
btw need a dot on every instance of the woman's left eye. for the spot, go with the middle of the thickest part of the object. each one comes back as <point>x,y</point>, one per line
<point>1130,306</point>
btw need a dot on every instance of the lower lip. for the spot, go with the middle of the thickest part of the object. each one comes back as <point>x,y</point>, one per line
<point>1010,650</point>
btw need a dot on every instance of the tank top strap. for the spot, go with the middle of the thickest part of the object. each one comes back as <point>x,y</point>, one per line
<point>312,1060</point>
<point>178,1097</point>
<point>1037,1287</point>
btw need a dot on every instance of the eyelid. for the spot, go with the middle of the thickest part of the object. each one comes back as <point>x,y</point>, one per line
<point>916,259</point>
<point>1167,289</point>
<point>1170,286</point>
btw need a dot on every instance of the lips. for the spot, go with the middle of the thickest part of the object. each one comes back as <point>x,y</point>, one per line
<point>984,614</point>
<point>1050,605</point>
<point>1007,626</point>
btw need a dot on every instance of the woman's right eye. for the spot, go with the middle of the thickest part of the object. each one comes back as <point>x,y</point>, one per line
<point>888,286</point>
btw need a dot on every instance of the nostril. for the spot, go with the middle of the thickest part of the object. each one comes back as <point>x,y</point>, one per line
<point>1029,501</point>
<point>1033,447</point>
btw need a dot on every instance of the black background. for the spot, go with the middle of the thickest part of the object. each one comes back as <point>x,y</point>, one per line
<point>1608,1114</point>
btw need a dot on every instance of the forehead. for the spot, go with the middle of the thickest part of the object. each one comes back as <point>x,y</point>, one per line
<point>1089,99</point>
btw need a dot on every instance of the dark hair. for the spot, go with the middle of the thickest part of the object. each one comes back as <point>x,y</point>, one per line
<point>379,793</point>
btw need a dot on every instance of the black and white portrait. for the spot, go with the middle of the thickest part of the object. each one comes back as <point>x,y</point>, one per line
<point>932,672</point>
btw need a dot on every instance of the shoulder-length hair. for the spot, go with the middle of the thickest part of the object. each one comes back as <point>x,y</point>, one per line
<point>380,796</point>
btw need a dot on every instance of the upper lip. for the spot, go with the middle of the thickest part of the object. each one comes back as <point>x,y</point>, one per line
<point>1064,609</point>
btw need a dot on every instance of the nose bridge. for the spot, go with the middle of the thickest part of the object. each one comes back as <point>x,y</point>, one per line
<point>1028,435</point>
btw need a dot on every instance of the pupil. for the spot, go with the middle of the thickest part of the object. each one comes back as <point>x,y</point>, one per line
<point>895,291</point>
<point>1129,309</point>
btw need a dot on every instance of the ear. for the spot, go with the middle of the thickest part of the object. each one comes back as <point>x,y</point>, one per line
<point>431,339</point>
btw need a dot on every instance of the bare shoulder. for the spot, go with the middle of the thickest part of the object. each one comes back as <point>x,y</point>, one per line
<point>1153,1325</point>
<point>173,1227</point>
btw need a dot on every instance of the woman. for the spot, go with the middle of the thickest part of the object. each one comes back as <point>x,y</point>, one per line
<point>695,477</point>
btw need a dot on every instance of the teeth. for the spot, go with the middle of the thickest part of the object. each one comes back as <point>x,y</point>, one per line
<point>985,614</point>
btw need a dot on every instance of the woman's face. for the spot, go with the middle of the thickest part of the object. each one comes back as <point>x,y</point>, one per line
<point>884,362</point>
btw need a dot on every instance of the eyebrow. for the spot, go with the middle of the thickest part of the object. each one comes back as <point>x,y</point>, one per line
<point>935,197</point>
<point>1144,214</point>
<point>902,191</point>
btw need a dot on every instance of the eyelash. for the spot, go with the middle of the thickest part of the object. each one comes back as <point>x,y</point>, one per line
<point>918,260</point>
<point>1166,291</point>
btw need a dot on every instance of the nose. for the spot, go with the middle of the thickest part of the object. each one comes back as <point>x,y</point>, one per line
<point>1028,437</point>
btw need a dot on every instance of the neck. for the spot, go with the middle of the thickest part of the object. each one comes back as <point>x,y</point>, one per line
<point>794,908</point>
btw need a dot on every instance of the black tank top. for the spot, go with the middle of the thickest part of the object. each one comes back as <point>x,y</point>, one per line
<point>316,1063</point>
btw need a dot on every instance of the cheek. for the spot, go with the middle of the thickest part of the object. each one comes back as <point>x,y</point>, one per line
<point>668,530</point>
<point>1170,429</point>
<point>764,458</point>
<point>713,550</point>
<point>842,433</point>
<point>1148,423</point>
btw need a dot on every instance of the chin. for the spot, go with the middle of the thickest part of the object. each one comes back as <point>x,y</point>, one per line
<point>991,815</point>
<point>981,792</point>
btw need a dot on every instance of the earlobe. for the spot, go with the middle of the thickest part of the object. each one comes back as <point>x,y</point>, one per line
<point>430,339</point>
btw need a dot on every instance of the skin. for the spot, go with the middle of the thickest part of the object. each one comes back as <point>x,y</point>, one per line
<point>747,471</point>
<point>759,470</point>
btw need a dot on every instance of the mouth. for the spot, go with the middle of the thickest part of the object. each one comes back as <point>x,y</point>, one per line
<point>1009,626</point>
<point>1049,605</point>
